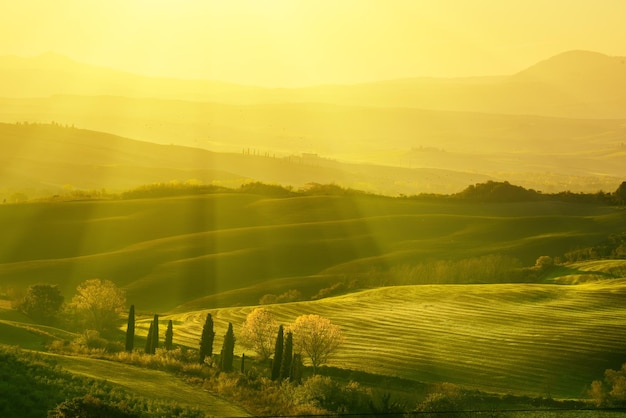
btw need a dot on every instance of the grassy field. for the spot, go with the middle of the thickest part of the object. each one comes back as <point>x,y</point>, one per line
<point>151,384</point>
<point>535,339</point>
<point>172,251</point>
<point>185,255</point>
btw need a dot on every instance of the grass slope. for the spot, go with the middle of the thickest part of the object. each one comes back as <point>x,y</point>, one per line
<point>151,384</point>
<point>172,251</point>
<point>16,330</point>
<point>537,339</point>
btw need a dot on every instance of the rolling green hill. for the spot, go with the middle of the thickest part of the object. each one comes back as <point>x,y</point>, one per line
<point>533,339</point>
<point>536,339</point>
<point>172,251</point>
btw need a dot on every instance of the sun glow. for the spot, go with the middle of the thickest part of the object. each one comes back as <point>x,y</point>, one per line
<point>286,43</point>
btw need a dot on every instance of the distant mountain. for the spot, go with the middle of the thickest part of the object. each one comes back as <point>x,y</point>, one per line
<point>51,74</point>
<point>575,84</point>
<point>582,82</point>
<point>578,67</point>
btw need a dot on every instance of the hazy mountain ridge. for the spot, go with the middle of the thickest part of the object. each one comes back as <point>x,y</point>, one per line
<point>576,66</point>
<point>50,74</point>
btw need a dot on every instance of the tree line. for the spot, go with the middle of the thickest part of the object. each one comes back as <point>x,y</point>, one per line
<point>490,191</point>
<point>98,305</point>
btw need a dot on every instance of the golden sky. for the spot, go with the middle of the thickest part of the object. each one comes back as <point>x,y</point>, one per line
<point>307,42</point>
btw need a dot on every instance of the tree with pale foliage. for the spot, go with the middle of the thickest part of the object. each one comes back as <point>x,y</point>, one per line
<point>99,303</point>
<point>259,331</point>
<point>612,391</point>
<point>317,338</point>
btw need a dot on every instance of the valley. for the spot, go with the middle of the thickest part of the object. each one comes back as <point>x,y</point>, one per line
<point>464,236</point>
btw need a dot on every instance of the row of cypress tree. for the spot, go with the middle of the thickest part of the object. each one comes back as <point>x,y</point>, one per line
<point>152,340</point>
<point>206,339</point>
<point>286,364</point>
<point>227,355</point>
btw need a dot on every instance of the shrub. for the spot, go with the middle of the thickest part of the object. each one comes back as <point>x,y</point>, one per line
<point>42,302</point>
<point>92,340</point>
<point>292,295</point>
<point>91,407</point>
<point>544,262</point>
<point>611,392</point>
<point>324,392</point>
<point>445,398</point>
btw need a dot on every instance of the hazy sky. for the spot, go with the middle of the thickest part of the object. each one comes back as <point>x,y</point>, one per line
<point>304,42</point>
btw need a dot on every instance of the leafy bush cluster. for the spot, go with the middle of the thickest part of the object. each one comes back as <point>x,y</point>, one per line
<point>492,191</point>
<point>317,395</point>
<point>613,247</point>
<point>292,295</point>
<point>491,268</point>
<point>170,189</point>
<point>612,391</point>
<point>336,289</point>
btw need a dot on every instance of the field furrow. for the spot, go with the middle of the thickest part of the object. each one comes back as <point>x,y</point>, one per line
<point>537,339</point>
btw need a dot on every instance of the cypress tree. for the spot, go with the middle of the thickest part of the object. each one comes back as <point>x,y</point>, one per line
<point>278,354</point>
<point>206,340</point>
<point>130,329</point>
<point>148,349</point>
<point>296,369</point>
<point>285,367</point>
<point>155,334</point>
<point>228,350</point>
<point>169,336</point>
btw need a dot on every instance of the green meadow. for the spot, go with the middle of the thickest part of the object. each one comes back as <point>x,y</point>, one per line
<point>150,384</point>
<point>533,339</point>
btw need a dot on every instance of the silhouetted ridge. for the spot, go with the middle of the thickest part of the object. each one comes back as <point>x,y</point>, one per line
<point>498,192</point>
